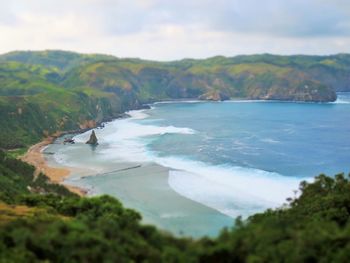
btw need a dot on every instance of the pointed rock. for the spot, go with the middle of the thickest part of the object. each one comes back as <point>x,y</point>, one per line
<point>93,139</point>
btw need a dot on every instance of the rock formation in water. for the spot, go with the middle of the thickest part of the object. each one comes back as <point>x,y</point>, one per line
<point>93,139</point>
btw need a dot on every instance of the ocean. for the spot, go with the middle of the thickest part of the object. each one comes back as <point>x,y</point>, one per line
<point>236,158</point>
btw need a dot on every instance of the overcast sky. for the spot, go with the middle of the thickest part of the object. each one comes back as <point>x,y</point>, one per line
<point>174,29</point>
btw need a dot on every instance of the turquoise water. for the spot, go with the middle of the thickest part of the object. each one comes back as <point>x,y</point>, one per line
<point>235,157</point>
<point>292,139</point>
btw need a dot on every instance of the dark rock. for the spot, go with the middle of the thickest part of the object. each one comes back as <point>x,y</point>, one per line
<point>69,140</point>
<point>93,139</point>
<point>145,107</point>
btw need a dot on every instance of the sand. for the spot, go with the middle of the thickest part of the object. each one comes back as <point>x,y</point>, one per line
<point>35,157</point>
<point>145,188</point>
<point>140,186</point>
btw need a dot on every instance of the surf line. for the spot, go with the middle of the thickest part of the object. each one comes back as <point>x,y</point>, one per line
<point>114,171</point>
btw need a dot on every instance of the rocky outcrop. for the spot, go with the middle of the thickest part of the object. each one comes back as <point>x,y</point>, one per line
<point>93,139</point>
<point>87,124</point>
<point>214,96</point>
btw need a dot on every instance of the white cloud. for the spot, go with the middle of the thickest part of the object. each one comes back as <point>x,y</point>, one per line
<point>164,29</point>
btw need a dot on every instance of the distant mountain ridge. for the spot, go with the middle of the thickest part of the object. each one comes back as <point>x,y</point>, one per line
<point>42,92</point>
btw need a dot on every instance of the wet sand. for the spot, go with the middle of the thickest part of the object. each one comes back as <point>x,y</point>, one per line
<point>140,186</point>
<point>145,188</point>
<point>35,157</point>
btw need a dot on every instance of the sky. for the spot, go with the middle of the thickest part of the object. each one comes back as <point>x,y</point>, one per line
<point>176,29</point>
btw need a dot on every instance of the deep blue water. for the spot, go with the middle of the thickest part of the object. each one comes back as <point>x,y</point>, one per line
<point>292,139</point>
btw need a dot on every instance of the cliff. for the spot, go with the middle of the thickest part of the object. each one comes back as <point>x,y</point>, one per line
<point>49,91</point>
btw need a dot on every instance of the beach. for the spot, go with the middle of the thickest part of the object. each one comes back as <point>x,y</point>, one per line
<point>190,178</point>
<point>142,186</point>
<point>145,188</point>
<point>35,157</point>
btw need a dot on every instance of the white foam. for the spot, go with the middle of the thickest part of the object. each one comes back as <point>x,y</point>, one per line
<point>128,129</point>
<point>44,148</point>
<point>342,98</point>
<point>245,101</point>
<point>127,140</point>
<point>179,101</point>
<point>137,114</point>
<point>341,101</point>
<point>270,140</point>
<point>231,190</point>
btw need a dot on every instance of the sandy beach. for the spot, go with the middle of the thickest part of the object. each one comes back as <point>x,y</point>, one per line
<point>142,186</point>
<point>146,189</point>
<point>35,157</point>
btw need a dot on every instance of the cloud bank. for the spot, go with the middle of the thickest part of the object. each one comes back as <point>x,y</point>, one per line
<point>167,30</point>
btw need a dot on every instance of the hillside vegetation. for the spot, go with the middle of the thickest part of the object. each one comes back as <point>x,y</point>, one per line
<point>45,92</point>
<point>43,222</point>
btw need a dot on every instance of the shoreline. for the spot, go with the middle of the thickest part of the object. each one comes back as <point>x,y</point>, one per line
<point>140,186</point>
<point>35,157</point>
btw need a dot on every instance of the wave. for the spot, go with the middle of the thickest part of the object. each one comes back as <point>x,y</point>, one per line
<point>179,101</point>
<point>341,101</point>
<point>342,98</point>
<point>137,114</point>
<point>127,140</point>
<point>245,101</point>
<point>231,190</point>
<point>270,140</point>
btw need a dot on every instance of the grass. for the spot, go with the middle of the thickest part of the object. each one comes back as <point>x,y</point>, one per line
<point>17,153</point>
<point>12,212</point>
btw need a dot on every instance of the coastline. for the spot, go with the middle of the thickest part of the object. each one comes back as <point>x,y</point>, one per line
<point>142,186</point>
<point>157,202</point>
<point>35,157</point>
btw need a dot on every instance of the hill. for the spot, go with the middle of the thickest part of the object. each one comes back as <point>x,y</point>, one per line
<point>45,92</point>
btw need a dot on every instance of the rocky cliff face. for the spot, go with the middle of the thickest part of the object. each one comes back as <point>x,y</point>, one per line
<point>43,116</point>
<point>339,80</point>
<point>152,83</point>
<point>214,96</point>
<point>298,90</point>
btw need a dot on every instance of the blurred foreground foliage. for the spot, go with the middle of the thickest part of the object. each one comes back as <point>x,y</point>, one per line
<point>43,222</point>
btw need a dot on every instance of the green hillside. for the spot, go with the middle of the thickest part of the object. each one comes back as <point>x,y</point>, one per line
<point>62,60</point>
<point>43,222</point>
<point>44,92</point>
<point>34,105</point>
